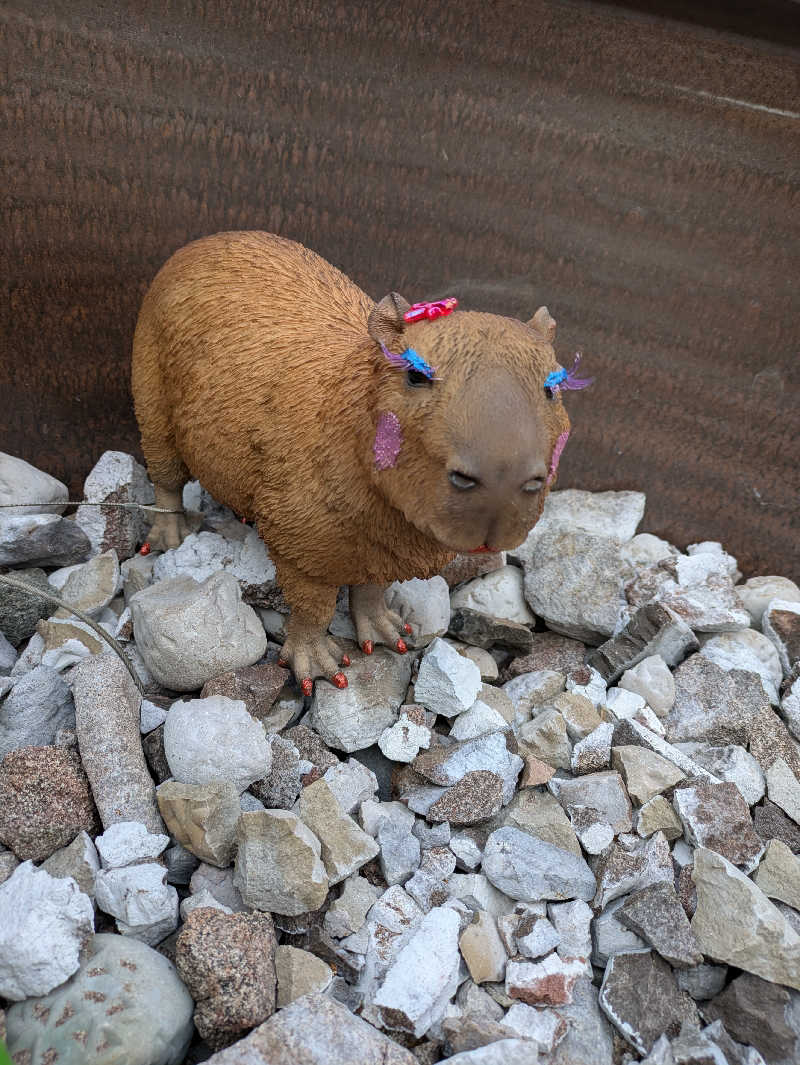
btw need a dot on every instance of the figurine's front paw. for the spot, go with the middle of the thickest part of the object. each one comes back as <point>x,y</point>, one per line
<point>168,531</point>
<point>314,656</point>
<point>375,622</point>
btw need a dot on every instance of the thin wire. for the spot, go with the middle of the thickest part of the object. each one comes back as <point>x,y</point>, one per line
<point>15,582</point>
<point>86,503</point>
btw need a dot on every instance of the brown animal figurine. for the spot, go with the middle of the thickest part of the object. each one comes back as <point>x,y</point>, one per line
<point>369,442</point>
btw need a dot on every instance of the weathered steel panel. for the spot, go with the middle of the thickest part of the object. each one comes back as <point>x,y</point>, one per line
<point>637,174</point>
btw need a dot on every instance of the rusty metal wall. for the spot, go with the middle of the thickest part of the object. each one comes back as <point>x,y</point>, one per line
<point>638,173</point>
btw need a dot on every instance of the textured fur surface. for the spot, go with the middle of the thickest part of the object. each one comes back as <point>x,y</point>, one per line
<point>257,369</point>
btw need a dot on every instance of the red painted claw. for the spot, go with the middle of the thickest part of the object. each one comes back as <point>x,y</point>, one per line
<point>339,679</point>
<point>407,629</point>
<point>307,686</point>
<point>345,660</point>
<point>401,646</point>
<point>145,548</point>
<point>367,647</point>
<point>282,662</point>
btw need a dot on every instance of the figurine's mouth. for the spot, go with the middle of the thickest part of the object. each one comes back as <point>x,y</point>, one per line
<point>484,549</point>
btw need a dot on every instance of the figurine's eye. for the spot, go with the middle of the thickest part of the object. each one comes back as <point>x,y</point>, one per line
<point>416,379</point>
<point>534,485</point>
<point>461,480</point>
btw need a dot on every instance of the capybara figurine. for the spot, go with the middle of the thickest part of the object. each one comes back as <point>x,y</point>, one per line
<point>368,442</point>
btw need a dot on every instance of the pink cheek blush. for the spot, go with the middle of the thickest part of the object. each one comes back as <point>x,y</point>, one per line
<point>561,443</point>
<point>388,441</point>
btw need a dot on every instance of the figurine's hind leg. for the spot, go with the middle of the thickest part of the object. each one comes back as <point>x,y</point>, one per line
<point>166,468</point>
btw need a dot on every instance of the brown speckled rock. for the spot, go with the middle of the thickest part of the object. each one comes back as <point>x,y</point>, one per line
<point>312,747</point>
<point>227,961</point>
<point>257,686</point>
<point>45,801</point>
<point>477,797</point>
<point>550,651</point>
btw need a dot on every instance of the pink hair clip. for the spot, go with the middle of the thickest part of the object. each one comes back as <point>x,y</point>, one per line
<point>429,311</point>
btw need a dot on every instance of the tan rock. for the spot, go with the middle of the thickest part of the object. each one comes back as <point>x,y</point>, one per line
<point>483,950</point>
<point>645,773</point>
<point>736,923</point>
<point>778,874</point>
<point>345,846</point>
<point>93,585</point>
<point>541,815</point>
<point>578,712</point>
<point>202,817</point>
<point>55,634</point>
<point>545,737</point>
<point>657,815</point>
<point>278,864</point>
<point>299,973</point>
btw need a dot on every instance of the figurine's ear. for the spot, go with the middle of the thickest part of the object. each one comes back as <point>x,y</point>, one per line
<point>544,324</point>
<point>386,322</point>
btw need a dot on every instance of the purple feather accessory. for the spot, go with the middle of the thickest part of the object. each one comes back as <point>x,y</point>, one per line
<point>388,440</point>
<point>409,360</point>
<point>561,443</point>
<point>565,379</point>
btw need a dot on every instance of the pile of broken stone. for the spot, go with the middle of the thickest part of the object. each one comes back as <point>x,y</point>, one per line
<point>563,829</point>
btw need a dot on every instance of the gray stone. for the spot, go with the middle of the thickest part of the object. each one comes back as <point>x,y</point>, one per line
<point>8,657</point>
<point>44,923</point>
<point>656,914</point>
<point>430,884</point>
<point>399,852</point>
<point>445,766</point>
<point>760,1014</point>
<point>771,822</point>
<point>205,553</point>
<point>631,732</point>
<point>180,863</point>
<point>315,1030</point>
<point>219,883</point>
<point>642,1000</point>
<point>424,976</point>
<point>603,792</point>
<point>750,651</point>
<point>372,814</point>
<point>447,683</point>
<point>78,860</point>
<point>533,691</point>
<point>424,605</point>
<point>189,632</point>
<point>116,478</point>
<point>401,742</point>
<point>591,828</point>
<point>479,720</point>
<point>654,630</point>
<point>280,787</point>
<point>151,716</point>
<point>202,900</point>
<point>92,586</point>
<point>39,704</point>
<point>151,1023</point>
<point>605,513</point>
<point>485,631</point>
<point>757,592</point>
<point>706,706</point>
<point>145,905</point>
<point>128,842</point>
<point>354,718</point>
<point>574,581</point>
<point>278,863</point>
<point>215,739</point>
<point>41,540</point>
<point>499,594</point>
<point>703,981</point>
<point>589,1035</point>
<point>783,789</point>
<point>345,847</point>
<point>20,610</point>
<point>736,923</point>
<point>781,625</point>
<point>535,936</point>
<point>22,483</point>
<point>352,783</point>
<point>202,817</point>
<point>107,720</point>
<point>348,913</point>
<point>651,678</point>
<point>610,936</point>
<point>632,864</point>
<point>730,763</point>
<point>527,868</point>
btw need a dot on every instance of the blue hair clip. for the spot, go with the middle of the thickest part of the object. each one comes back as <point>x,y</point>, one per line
<point>409,360</point>
<point>565,379</point>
